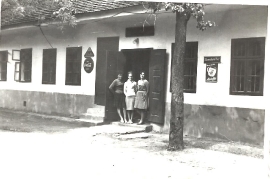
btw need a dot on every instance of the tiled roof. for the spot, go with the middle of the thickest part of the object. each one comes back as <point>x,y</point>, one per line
<point>82,6</point>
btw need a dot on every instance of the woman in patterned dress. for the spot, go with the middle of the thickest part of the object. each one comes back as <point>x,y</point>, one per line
<point>130,92</point>
<point>141,100</point>
<point>119,98</point>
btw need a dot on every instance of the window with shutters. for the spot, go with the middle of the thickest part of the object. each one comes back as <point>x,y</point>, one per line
<point>190,66</point>
<point>17,71</point>
<point>247,66</point>
<point>3,65</point>
<point>49,66</point>
<point>25,65</point>
<point>73,65</point>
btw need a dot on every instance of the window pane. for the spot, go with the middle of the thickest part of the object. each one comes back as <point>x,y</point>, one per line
<point>239,75</point>
<point>239,49</point>
<point>255,48</point>
<point>253,76</point>
<point>16,76</point>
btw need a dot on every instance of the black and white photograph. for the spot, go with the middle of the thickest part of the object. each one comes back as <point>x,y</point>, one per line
<point>134,89</point>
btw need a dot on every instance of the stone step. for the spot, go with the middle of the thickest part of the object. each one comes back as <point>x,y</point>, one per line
<point>145,127</point>
<point>92,116</point>
<point>93,122</point>
<point>96,111</point>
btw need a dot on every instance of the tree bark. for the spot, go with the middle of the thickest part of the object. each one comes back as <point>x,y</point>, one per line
<point>177,101</point>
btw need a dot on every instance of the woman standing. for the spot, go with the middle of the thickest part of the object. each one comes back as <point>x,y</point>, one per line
<point>141,100</point>
<point>119,98</point>
<point>130,92</point>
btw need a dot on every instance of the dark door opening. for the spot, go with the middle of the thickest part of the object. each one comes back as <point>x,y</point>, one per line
<point>137,60</point>
<point>153,62</point>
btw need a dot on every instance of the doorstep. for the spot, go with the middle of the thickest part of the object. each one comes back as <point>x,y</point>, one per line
<point>145,127</point>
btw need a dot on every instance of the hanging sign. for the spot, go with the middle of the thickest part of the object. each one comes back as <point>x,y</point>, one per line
<point>211,72</point>
<point>88,65</point>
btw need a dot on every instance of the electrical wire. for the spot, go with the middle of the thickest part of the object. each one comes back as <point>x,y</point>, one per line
<point>45,36</point>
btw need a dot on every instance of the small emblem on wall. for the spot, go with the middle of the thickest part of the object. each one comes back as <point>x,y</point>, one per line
<point>88,65</point>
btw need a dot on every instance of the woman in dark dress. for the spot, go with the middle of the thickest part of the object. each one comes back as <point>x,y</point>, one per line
<point>141,100</point>
<point>119,97</point>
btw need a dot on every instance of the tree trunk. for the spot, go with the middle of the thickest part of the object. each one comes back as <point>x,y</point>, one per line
<point>177,101</point>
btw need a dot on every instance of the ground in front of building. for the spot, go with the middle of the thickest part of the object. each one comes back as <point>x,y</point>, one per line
<point>38,146</point>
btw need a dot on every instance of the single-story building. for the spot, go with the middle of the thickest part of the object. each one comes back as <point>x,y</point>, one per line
<point>46,70</point>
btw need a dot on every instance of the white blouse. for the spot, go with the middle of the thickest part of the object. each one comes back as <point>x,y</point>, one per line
<point>130,88</point>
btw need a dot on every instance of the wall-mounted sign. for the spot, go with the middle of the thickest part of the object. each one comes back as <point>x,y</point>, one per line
<point>88,65</point>
<point>89,53</point>
<point>211,72</point>
<point>213,59</point>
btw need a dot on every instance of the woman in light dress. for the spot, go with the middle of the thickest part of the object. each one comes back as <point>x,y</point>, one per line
<point>130,92</point>
<point>141,100</point>
<point>119,98</point>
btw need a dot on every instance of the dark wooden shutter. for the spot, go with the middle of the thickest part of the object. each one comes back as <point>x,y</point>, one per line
<point>157,85</point>
<point>103,44</point>
<point>26,63</point>
<point>49,66</point>
<point>116,62</point>
<point>73,65</point>
<point>3,61</point>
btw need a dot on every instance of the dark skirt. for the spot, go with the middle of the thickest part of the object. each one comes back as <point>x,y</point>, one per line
<point>119,100</point>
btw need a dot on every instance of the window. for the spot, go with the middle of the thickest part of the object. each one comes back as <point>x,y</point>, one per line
<point>247,66</point>
<point>25,65</point>
<point>49,66</point>
<point>3,65</point>
<point>73,65</point>
<point>190,66</point>
<point>17,71</point>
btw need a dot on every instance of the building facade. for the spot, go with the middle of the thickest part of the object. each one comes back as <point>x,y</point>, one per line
<point>47,70</point>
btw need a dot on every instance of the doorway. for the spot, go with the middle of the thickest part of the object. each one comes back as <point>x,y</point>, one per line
<point>137,60</point>
<point>153,62</point>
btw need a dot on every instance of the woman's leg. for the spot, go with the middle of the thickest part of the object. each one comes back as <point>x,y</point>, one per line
<point>132,113</point>
<point>128,114</point>
<point>142,116</point>
<point>125,115</point>
<point>120,115</point>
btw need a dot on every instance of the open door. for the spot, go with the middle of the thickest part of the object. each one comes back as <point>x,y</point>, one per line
<point>116,63</point>
<point>157,85</point>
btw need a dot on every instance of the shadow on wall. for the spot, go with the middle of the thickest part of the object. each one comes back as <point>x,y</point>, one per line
<point>229,123</point>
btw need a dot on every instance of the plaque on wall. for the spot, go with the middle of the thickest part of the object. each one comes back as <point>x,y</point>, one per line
<point>211,72</point>
<point>88,65</point>
<point>212,59</point>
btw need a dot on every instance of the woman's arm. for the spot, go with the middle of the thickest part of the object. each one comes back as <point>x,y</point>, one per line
<point>125,88</point>
<point>111,87</point>
<point>147,87</point>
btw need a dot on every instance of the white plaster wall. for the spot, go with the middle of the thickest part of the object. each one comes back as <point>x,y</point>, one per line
<point>240,22</point>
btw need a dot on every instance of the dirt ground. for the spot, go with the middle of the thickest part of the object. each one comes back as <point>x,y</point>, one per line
<point>39,146</point>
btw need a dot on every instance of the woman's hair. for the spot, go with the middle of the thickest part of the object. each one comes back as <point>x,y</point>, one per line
<point>119,74</point>
<point>130,72</point>
<point>142,71</point>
